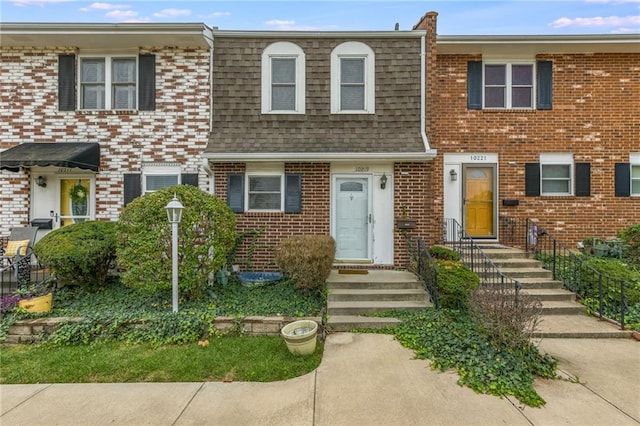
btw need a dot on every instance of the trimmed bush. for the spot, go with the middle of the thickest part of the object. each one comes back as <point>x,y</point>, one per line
<point>306,259</point>
<point>79,254</point>
<point>456,282</point>
<point>444,253</point>
<point>206,236</point>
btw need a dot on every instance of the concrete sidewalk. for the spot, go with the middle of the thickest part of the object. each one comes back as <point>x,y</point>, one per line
<point>364,379</point>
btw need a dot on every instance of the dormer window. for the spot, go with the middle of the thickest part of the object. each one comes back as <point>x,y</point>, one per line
<point>352,79</point>
<point>283,79</point>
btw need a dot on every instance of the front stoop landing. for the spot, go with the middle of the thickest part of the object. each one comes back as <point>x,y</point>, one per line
<point>352,296</point>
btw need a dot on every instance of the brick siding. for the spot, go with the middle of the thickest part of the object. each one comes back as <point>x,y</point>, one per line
<point>177,131</point>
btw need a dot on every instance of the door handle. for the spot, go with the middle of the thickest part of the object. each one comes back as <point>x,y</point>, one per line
<point>369,217</point>
<point>53,215</point>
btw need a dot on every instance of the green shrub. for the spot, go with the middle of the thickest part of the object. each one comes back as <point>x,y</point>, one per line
<point>444,253</point>
<point>614,271</point>
<point>206,235</point>
<point>456,282</point>
<point>631,238</point>
<point>306,259</point>
<point>79,254</point>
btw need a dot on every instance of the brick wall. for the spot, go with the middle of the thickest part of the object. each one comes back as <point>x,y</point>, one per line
<point>595,117</point>
<point>314,219</point>
<point>177,131</point>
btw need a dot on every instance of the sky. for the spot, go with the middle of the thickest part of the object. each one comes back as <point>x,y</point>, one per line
<point>454,17</point>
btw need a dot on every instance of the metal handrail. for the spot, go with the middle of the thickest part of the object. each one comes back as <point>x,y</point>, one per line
<point>455,237</point>
<point>422,264</point>
<point>567,266</point>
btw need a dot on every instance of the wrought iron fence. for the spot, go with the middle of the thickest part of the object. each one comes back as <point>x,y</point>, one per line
<point>421,263</point>
<point>24,272</point>
<point>454,236</point>
<point>603,294</point>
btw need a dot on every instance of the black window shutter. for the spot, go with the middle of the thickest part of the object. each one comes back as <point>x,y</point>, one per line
<point>623,180</point>
<point>474,84</point>
<point>583,179</point>
<point>292,193</point>
<point>132,187</point>
<point>189,179</point>
<point>147,82</point>
<point>66,82</point>
<point>235,192</point>
<point>532,179</point>
<point>545,84</point>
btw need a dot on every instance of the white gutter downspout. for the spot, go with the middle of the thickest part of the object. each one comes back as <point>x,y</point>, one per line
<point>208,35</point>
<point>423,103</point>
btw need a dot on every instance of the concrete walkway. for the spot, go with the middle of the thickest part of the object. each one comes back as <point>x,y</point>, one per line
<point>363,379</point>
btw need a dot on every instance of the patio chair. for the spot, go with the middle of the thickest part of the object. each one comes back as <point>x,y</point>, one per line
<point>16,256</point>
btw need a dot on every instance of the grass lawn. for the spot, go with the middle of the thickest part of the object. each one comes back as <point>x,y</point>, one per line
<point>256,359</point>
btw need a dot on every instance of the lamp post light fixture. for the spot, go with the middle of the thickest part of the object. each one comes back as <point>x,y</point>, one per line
<point>174,215</point>
<point>41,181</point>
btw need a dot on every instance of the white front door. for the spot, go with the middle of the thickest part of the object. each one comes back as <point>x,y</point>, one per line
<point>352,229</point>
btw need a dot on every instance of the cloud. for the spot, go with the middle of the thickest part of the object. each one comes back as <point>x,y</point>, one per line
<point>597,22</point>
<point>218,14</point>
<point>172,13</point>
<point>40,3</point>
<point>122,14</point>
<point>104,6</point>
<point>290,25</point>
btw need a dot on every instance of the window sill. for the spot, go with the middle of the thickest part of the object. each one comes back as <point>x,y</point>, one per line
<point>106,112</point>
<point>509,110</point>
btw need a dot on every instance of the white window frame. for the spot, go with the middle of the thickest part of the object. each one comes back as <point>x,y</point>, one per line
<point>634,162</point>
<point>509,84</point>
<point>347,50</point>
<point>159,170</point>
<point>557,159</point>
<point>263,170</point>
<point>283,49</point>
<point>108,83</point>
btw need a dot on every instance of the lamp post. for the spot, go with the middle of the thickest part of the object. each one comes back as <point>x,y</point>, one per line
<point>174,214</point>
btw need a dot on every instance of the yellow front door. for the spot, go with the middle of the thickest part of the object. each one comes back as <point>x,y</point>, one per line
<point>478,201</point>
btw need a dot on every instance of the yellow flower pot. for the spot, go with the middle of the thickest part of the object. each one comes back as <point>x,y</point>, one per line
<point>300,336</point>
<point>37,304</point>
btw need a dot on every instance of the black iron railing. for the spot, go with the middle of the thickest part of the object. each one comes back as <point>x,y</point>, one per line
<point>472,255</point>
<point>601,293</point>
<point>421,263</point>
<point>20,274</point>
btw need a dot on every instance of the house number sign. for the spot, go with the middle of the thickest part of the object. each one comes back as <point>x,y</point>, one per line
<point>477,157</point>
<point>362,169</point>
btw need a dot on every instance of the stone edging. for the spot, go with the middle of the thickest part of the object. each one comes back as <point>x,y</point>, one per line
<point>29,331</point>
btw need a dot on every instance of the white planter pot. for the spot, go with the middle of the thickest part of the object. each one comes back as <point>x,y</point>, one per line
<point>300,336</point>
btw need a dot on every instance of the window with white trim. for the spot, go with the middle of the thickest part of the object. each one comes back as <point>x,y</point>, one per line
<point>509,85</point>
<point>108,83</point>
<point>283,79</point>
<point>264,192</point>
<point>556,174</point>
<point>634,159</point>
<point>352,79</point>
<point>156,177</point>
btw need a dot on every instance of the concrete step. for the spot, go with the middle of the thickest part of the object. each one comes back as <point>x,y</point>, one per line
<point>578,326</point>
<point>380,285</point>
<point>516,263</point>
<point>350,322</point>
<point>505,253</point>
<point>517,273</point>
<point>356,308</point>
<point>375,279</point>
<point>550,295</point>
<point>562,308</point>
<point>344,295</point>
<point>539,283</point>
